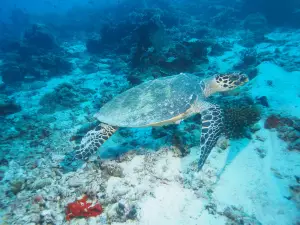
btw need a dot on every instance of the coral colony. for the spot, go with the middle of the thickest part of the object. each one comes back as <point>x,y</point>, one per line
<point>130,112</point>
<point>81,208</point>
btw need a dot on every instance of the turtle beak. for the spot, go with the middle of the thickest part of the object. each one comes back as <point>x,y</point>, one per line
<point>244,79</point>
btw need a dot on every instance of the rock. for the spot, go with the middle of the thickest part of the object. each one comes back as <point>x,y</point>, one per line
<point>41,183</point>
<point>11,133</point>
<point>255,22</point>
<point>39,36</point>
<point>47,217</point>
<point>8,106</point>
<point>272,122</point>
<point>263,101</point>
<point>261,152</point>
<point>94,46</point>
<point>75,182</point>
<point>112,169</point>
<point>255,127</point>
<point>54,64</point>
<point>35,85</point>
<point>159,132</point>
<point>239,217</point>
<point>223,143</point>
<point>295,145</point>
<point>296,124</point>
<point>132,213</point>
<point>293,136</point>
<point>103,219</point>
<point>260,138</point>
<point>16,186</point>
<point>112,214</point>
<point>295,191</point>
<point>121,211</point>
<point>211,208</point>
<point>127,156</point>
<point>12,72</point>
<point>64,96</point>
<point>93,188</point>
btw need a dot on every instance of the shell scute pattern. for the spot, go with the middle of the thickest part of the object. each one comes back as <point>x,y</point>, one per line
<point>152,102</point>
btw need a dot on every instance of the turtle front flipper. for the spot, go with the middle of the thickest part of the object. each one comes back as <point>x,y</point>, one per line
<point>93,140</point>
<point>212,128</point>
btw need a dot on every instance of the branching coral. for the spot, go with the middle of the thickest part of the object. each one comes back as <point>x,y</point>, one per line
<point>239,116</point>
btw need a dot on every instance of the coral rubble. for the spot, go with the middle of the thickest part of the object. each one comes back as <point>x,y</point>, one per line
<point>60,64</point>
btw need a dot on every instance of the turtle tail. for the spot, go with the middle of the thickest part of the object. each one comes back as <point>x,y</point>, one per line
<point>93,140</point>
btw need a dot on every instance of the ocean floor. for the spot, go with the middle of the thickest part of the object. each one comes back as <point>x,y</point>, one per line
<point>249,182</point>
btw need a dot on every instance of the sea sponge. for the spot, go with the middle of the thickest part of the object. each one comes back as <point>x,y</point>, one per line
<point>239,116</point>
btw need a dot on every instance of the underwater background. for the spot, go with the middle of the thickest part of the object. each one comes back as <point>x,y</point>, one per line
<point>62,60</point>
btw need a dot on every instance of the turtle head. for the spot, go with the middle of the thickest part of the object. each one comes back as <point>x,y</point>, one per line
<point>225,82</point>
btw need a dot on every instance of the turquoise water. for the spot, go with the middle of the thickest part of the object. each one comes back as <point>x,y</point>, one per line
<point>149,112</point>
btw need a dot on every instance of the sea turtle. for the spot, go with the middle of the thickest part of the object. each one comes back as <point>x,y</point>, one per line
<point>162,101</point>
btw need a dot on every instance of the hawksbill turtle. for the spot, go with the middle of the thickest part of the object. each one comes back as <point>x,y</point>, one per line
<point>163,101</point>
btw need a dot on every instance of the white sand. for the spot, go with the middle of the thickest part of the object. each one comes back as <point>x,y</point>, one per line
<point>284,94</point>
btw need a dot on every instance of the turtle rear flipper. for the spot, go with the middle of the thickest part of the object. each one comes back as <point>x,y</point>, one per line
<point>212,128</point>
<point>93,140</point>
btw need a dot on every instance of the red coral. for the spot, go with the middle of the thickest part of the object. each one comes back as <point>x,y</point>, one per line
<point>82,208</point>
<point>37,199</point>
<point>272,122</point>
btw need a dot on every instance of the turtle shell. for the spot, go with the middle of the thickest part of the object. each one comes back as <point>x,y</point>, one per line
<point>151,102</point>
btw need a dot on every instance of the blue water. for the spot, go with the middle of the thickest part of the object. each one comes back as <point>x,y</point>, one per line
<point>64,61</point>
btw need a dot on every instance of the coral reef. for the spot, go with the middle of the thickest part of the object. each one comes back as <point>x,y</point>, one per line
<point>57,68</point>
<point>249,60</point>
<point>239,115</point>
<point>82,208</point>
<point>38,36</point>
<point>18,68</point>
<point>35,56</point>
<point>272,8</point>
<point>8,106</point>
<point>65,96</point>
<point>287,128</point>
